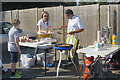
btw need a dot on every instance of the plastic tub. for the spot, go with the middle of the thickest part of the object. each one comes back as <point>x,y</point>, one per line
<point>43,36</point>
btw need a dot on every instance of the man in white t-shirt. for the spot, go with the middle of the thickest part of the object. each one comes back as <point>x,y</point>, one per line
<point>74,27</point>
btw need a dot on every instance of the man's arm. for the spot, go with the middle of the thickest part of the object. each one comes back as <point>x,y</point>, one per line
<point>63,26</point>
<point>77,31</point>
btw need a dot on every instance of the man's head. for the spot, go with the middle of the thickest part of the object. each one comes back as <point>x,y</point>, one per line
<point>69,13</point>
<point>15,23</point>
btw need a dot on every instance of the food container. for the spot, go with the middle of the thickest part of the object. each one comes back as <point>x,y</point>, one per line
<point>41,58</point>
<point>43,36</point>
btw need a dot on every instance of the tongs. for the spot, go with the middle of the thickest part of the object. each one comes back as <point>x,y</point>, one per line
<point>57,29</point>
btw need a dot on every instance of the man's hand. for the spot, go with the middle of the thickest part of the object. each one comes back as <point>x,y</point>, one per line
<point>19,52</point>
<point>50,32</point>
<point>71,33</point>
<point>61,27</point>
<point>46,32</point>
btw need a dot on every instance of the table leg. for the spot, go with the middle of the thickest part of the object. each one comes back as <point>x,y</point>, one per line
<point>105,69</point>
<point>19,60</point>
<point>100,68</point>
<point>83,61</point>
<point>83,65</point>
<point>73,63</point>
<point>19,57</point>
<point>45,60</point>
<point>55,60</point>
<point>36,50</point>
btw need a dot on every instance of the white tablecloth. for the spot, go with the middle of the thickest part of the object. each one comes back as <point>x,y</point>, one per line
<point>36,45</point>
<point>106,51</point>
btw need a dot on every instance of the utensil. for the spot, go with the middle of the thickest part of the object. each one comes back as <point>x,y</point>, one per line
<point>59,32</point>
<point>64,45</point>
<point>55,28</point>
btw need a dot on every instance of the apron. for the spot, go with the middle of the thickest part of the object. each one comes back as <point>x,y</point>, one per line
<point>72,39</point>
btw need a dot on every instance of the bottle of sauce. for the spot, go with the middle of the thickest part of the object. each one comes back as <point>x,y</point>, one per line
<point>27,38</point>
<point>105,39</point>
<point>113,39</point>
<point>109,40</point>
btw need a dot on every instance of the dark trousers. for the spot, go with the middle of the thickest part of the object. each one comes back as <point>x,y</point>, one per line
<point>75,57</point>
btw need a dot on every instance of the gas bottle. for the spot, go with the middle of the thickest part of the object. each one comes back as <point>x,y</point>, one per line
<point>87,63</point>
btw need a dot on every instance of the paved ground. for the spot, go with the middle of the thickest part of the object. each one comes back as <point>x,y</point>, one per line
<point>37,72</point>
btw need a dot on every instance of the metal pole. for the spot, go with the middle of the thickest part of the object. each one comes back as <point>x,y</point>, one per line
<point>11,16</point>
<point>64,28</point>
<point>36,17</point>
<point>45,59</point>
<point>109,21</point>
<point>99,18</point>
<point>109,16</point>
<point>17,14</point>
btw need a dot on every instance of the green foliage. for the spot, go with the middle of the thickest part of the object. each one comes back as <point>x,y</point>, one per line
<point>101,3</point>
<point>89,3</point>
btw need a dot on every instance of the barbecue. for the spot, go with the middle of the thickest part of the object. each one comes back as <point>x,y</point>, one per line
<point>63,47</point>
